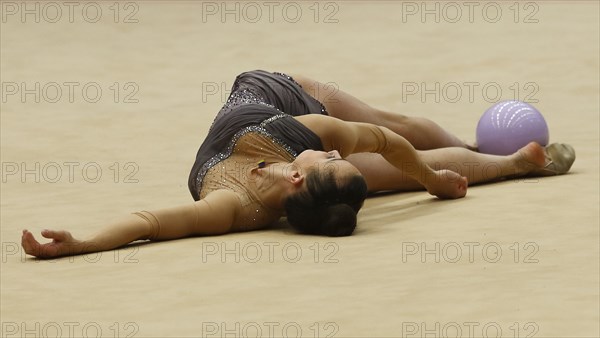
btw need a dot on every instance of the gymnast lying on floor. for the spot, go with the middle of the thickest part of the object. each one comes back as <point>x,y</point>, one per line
<point>292,147</point>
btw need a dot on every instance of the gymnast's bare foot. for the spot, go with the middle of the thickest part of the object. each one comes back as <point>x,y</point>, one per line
<point>535,160</point>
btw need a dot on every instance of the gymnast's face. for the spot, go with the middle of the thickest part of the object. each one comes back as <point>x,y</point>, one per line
<point>321,160</point>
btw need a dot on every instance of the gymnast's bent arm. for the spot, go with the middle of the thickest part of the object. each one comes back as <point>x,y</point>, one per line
<point>213,215</point>
<point>356,137</point>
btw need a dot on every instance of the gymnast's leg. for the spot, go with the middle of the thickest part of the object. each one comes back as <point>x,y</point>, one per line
<point>422,133</point>
<point>478,168</point>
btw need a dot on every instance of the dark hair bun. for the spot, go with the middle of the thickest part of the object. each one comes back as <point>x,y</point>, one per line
<point>323,208</point>
<point>338,220</point>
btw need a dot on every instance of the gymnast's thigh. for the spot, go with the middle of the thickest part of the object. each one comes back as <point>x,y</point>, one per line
<point>342,105</point>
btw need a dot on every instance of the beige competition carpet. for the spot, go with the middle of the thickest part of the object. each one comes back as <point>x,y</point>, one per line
<point>105,104</point>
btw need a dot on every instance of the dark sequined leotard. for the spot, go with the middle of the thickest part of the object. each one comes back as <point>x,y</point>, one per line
<point>256,123</point>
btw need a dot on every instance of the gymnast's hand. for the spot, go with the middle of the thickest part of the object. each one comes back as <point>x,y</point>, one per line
<point>447,184</point>
<point>62,244</point>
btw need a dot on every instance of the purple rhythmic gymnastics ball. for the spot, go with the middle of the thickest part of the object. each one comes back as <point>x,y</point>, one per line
<point>509,125</point>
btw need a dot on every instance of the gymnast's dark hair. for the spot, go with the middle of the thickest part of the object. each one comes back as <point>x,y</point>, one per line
<point>324,208</point>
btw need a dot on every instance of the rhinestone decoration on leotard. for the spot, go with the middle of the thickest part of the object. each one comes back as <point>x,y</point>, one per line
<point>239,97</point>
<point>229,149</point>
<point>244,96</point>
<point>273,118</point>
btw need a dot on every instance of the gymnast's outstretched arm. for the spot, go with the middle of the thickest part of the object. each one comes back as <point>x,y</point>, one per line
<point>356,137</point>
<point>212,215</point>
